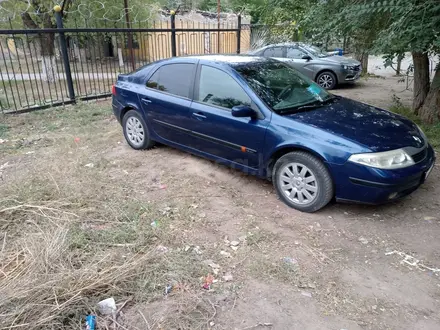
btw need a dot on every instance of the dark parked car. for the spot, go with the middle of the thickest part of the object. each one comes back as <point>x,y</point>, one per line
<point>328,70</point>
<point>263,117</point>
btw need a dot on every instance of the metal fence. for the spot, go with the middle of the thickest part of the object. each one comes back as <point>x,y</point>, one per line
<point>41,68</point>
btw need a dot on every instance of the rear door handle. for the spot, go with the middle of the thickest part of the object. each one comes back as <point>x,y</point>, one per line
<point>199,115</point>
<point>146,101</point>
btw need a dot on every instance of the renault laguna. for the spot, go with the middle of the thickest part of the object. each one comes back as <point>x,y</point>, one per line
<point>265,118</point>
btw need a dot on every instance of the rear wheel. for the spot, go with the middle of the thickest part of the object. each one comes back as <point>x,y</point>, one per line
<point>326,80</point>
<point>302,181</point>
<point>136,131</point>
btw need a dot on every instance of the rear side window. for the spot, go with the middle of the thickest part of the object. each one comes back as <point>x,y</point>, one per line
<point>173,78</point>
<point>274,52</point>
<point>220,89</point>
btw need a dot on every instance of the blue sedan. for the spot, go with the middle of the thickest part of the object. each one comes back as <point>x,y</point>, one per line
<point>266,119</point>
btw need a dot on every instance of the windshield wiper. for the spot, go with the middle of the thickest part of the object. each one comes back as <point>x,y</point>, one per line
<point>309,106</point>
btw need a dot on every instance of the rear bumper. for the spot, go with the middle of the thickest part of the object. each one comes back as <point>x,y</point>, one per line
<point>362,184</point>
<point>117,109</point>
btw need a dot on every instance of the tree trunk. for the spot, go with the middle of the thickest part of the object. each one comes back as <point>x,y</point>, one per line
<point>421,79</point>
<point>430,111</point>
<point>47,42</point>
<point>363,58</point>
<point>400,57</point>
<point>48,63</point>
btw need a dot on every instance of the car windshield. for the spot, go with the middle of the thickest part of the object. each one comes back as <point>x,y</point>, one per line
<point>281,87</point>
<point>315,51</point>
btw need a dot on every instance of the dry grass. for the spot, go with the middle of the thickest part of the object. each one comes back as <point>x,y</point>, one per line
<point>72,235</point>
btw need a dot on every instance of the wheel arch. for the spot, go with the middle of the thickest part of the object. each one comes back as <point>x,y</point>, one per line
<point>126,109</point>
<point>285,149</point>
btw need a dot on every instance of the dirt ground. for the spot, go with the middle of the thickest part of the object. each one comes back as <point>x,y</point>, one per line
<point>345,267</point>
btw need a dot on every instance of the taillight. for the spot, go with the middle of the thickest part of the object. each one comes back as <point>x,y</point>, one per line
<point>113,90</point>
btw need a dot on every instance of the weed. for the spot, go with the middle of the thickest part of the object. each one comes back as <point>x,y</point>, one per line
<point>277,269</point>
<point>75,235</point>
<point>3,129</point>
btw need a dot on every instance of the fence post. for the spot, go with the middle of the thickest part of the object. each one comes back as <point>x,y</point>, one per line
<point>239,34</point>
<point>64,53</point>
<point>173,33</point>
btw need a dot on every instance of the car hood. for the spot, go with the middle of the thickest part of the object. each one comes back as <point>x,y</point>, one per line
<point>342,60</point>
<point>374,128</point>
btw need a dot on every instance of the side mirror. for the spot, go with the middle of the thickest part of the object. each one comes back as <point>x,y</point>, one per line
<point>306,57</point>
<point>243,111</point>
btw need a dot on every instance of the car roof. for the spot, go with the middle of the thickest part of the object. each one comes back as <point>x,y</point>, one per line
<point>283,44</point>
<point>220,60</point>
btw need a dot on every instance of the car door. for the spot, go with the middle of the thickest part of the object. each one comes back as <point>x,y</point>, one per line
<point>294,56</point>
<point>217,132</point>
<point>166,100</point>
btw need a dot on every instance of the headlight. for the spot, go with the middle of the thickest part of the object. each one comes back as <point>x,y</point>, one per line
<point>386,160</point>
<point>348,67</point>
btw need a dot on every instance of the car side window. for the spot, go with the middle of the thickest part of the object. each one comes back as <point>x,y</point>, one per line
<point>295,53</point>
<point>218,88</point>
<point>173,79</point>
<point>274,52</point>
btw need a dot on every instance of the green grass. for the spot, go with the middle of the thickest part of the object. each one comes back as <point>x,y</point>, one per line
<point>3,130</point>
<point>431,131</point>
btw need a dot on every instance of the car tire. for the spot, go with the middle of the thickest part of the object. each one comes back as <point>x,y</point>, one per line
<point>136,131</point>
<point>326,80</point>
<point>309,187</point>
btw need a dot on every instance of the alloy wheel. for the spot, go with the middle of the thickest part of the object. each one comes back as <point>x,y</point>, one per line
<point>135,131</point>
<point>325,81</point>
<point>298,183</point>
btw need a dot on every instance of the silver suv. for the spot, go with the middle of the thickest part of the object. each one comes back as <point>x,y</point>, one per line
<point>327,70</point>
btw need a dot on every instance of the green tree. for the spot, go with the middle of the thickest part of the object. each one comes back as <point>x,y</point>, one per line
<point>336,19</point>
<point>390,27</point>
<point>414,26</point>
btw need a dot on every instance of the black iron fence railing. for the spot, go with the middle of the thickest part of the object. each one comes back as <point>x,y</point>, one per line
<point>41,68</point>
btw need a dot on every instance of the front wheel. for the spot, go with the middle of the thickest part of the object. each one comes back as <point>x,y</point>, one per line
<point>326,80</point>
<point>302,181</point>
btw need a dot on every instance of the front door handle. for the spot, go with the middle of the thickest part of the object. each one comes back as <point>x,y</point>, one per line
<point>146,101</point>
<point>199,115</point>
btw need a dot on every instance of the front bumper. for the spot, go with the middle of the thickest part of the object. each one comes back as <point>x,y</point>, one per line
<point>363,184</point>
<point>349,75</point>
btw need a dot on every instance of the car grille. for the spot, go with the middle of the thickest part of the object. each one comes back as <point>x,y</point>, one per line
<point>418,157</point>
